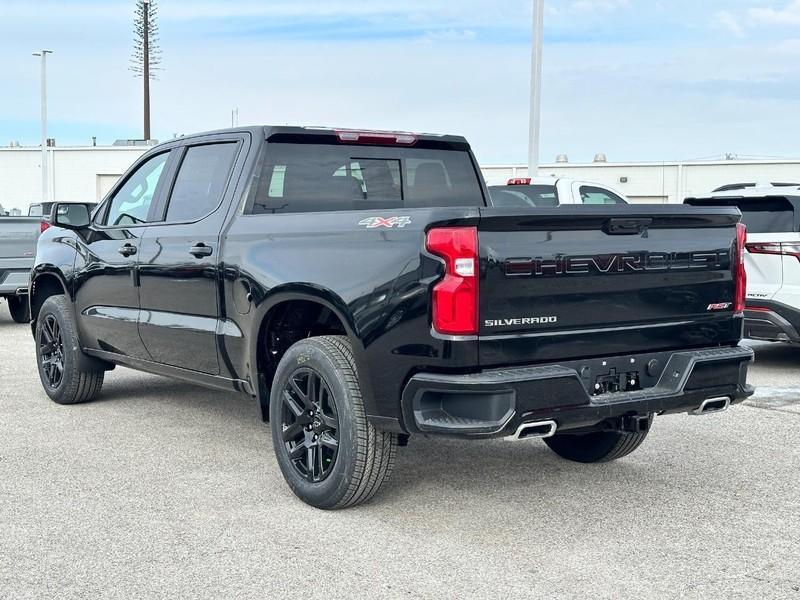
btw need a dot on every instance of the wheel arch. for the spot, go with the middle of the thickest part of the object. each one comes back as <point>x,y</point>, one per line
<point>45,282</point>
<point>48,282</point>
<point>316,311</point>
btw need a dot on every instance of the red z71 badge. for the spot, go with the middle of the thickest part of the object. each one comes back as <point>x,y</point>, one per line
<point>375,222</point>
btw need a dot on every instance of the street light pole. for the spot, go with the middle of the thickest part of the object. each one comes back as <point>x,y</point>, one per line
<point>43,54</point>
<point>536,87</point>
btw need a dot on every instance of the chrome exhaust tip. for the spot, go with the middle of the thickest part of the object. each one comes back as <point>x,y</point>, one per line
<point>534,429</point>
<point>712,405</point>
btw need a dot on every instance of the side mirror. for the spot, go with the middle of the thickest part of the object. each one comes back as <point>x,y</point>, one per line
<point>70,216</point>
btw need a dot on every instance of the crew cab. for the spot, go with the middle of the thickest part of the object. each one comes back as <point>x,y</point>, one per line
<point>772,256</point>
<point>552,191</point>
<point>359,286</point>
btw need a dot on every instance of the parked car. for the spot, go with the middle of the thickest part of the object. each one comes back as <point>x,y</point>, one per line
<point>521,192</point>
<point>725,190</point>
<point>357,284</point>
<point>18,237</point>
<point>772,257</point>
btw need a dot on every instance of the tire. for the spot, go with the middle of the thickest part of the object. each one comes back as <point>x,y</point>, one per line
<point>57,343</point>
<point>320,473</point>
<point>19,309</point>
<point>597,446</point>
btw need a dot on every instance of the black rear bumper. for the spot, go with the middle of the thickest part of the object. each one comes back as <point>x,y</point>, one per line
<point>496,402</point>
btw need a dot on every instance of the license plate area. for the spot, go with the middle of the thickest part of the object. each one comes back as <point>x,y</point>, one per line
<point>620,373</point>
<point>614,381</point>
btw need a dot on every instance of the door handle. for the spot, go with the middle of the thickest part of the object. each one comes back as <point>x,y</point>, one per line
<point>627,226</point>
<point>127,250</point>
<point>200,250</point>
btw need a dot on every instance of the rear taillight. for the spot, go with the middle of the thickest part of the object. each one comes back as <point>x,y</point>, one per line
<point>740,294</point>
<point>43,226</point>
<point>455,296</point>
<point>780,248</point>
<point>519,181</point>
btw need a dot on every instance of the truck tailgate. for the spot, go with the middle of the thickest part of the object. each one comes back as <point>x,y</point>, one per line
<point>573,282</point>
<point>18,237</point>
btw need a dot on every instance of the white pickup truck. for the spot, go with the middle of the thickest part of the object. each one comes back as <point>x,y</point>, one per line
<point>552,191</point>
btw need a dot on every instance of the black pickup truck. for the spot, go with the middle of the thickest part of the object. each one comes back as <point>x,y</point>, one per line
<point>360,287</point>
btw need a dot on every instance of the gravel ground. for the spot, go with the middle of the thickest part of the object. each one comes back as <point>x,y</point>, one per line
<point>161,489</point>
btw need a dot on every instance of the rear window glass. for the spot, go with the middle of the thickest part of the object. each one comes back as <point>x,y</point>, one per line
<point>515,196</point>
<point>201,181</point>
<point>761,215</point>
<point>40,209</point>
<point>314,178</point>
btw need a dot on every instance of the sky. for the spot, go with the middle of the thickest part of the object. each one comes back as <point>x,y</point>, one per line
<point>634,79</point>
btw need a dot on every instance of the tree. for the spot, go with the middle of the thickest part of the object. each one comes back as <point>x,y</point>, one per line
<point>146,53</point>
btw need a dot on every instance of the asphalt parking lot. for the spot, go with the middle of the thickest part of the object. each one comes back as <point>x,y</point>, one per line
<point>162,489</point>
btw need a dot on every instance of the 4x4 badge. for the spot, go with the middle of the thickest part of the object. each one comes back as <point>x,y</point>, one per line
<point>374,222</point>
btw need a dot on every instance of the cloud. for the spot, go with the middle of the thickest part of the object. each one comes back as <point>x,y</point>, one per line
<point>788,16</point>
<point>449,35</point>
<point>586,6</point>
<point>725,20</point>
<point>580,6</point>
<point>629,78</point>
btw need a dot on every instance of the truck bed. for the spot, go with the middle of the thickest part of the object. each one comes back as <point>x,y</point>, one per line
<point>18,236</point>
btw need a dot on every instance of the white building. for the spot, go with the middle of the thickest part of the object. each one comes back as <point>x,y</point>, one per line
<point>87,173</point>
<point>74,173</point>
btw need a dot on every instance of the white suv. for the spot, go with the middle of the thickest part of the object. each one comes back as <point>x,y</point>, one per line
<point>772,259</point>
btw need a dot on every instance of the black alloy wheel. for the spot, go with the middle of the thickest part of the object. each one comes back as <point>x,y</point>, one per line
<point>51,351</point>
<point>310,424</point>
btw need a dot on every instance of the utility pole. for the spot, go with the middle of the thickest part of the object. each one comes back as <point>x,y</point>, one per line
<point>536,88</point>
<point>146,69</point>
<point>146,54</point>
<point>43,54</point>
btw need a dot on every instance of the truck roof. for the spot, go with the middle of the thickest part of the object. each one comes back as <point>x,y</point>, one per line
<point>343,135</point>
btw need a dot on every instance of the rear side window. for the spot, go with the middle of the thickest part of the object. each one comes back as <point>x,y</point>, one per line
<point>596,195</point>
<point>315,178</point>
<point>201,181</point>
<point>761,215</point>
<point>515,196</point>
<point>35,210</point>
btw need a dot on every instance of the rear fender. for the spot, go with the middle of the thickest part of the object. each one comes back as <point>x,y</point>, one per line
<point>329,300</point>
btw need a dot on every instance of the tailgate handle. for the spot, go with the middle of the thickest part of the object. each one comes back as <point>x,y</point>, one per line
<point>627,226</point>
